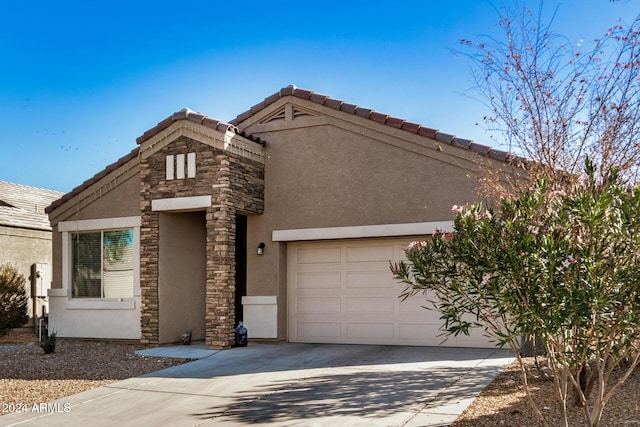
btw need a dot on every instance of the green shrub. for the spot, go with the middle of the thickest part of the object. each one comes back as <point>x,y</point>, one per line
<point>13,299</point>
<point>48,343</point>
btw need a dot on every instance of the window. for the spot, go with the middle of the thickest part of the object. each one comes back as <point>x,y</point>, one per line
<point>103,264</point>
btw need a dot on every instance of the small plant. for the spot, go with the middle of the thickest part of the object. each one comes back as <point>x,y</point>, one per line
<point>186,337</point>
<point>13,299</point>
<point>48,343</point>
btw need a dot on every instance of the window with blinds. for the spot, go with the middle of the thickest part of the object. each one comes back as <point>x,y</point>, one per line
<point>103,264</point>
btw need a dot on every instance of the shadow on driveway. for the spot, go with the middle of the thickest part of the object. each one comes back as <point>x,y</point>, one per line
<point>291,384</point>
<point>364,394</point>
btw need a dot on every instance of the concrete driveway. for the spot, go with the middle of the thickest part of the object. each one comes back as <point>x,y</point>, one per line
<point>289,385</point>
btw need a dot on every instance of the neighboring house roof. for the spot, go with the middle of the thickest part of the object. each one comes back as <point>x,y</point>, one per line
<point>22,206</point>
<point>375,116</point>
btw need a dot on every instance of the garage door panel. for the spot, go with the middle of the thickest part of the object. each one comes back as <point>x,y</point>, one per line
<point>370,254</point>
<point>318,330</point>
<point>369,306</point>
<point>318,280</point>
<point>344,292</point>
<point>371,332</point>
<point>318,255</point>
<point>317,305</point>
<point>420,332</point>
<point>415,306</point>
<point>370,279</point>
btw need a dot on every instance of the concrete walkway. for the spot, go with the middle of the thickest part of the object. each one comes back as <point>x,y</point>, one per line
<point>289,385</point>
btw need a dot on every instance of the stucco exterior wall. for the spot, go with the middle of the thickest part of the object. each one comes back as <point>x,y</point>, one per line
<point>115,195</point>
<point>182,278</point>
<point>104,200</point>
<point>334,171</point>
<point>22,248</point>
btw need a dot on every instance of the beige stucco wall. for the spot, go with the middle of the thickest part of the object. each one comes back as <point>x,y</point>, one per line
<point>103,200</point>
<point>182,278</point>
<point>114,195</point>
<point>22,248</point>
<point>339,170</point>
<point>324,169</point>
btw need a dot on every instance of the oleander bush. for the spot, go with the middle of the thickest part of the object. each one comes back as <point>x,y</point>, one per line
<point>561,265</point>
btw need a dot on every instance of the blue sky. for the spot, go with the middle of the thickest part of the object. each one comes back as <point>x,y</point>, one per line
<point>81,80</point>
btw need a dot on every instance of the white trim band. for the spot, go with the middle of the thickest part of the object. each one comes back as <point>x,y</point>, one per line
<point>360,231</point>
<point>181,203</point>
<point>99,224</point>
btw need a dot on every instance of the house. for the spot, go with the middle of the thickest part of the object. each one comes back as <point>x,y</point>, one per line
<point>25,239</point>
<point>285,218</point>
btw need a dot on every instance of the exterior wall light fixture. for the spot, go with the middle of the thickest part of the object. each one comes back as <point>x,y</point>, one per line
<point>261,248</point>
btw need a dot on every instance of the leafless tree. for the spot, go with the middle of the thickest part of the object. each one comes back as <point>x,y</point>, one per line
<point>556,102</point>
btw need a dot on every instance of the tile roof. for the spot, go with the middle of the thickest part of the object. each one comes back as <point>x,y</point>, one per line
<point>378,117</point>
<point>292,90</point>
<point>184,114</point>
<point>22,206</point>
<point>187,114</point>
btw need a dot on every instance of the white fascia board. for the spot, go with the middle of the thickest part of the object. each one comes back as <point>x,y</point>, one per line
<point>100,224</point>
<point>361,231</point>
<point>181,203</point>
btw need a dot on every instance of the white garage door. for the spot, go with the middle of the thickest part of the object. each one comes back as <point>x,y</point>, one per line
<point>342,291</point>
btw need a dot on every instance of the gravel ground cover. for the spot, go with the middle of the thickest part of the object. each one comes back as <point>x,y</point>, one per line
<point>28,376</point>
<point>504,402</point>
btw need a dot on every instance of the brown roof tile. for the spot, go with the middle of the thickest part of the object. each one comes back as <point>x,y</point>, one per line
<point>348,108</point>
<point>502,156</point>
<point>317,98</point>
<point>461,142</point>
<point>479,148</point>
<point>445,137</point>
<point>382,118</point>
<point>428,132</point>
<point>378,117</point>
<point>395,122</point>
<point>187,114</point>
<point>410,127</point>
<point>363,112</point>
<point>289,90</point>
<point>271,99</point>
<point>301,93</point>
<point>333,103</point>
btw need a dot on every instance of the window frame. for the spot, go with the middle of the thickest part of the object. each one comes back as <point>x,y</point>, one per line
<point>102,286</point>
<point>68,228</point>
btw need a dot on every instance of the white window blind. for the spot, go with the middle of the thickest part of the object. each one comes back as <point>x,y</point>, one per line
<point>103,264</point>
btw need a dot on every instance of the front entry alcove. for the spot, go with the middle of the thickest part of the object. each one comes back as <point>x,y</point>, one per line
<point>182,276</point>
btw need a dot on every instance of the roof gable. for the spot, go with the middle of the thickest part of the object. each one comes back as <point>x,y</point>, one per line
<point>367,113</point>
<point>187,114</point>
<point>149,142</point>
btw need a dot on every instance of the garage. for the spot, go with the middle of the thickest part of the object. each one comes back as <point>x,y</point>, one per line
<point>342,291</point>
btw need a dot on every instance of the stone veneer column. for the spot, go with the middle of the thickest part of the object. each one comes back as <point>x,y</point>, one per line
<point>221,236</point>
<point>234,183</point>
<point>149,255</point>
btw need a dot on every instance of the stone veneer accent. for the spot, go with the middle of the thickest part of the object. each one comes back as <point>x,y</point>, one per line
<point>236,184</point>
